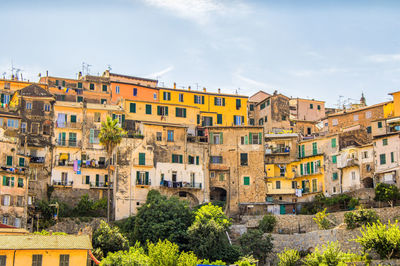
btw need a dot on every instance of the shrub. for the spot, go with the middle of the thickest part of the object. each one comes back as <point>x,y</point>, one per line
<point>383,239</point>
<point>289,257</point>
<point>386,193</point>
<point>330,255</point>
<point>267,224</point>
<point>255,243</point>
<point>246,261</point>
<point>360,217</point>
<point>322,220</point>
<point>135,256</point>
<point>109,239</point>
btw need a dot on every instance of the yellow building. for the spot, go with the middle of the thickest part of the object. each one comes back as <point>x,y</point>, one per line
<point>215,108</point>
<point>26,249</point>
<point>396,103</point>
<point>8,87</point>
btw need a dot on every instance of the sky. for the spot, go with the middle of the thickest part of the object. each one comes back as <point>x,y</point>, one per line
<point>318,49</point>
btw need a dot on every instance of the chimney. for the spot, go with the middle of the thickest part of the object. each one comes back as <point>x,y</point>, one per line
<point>47,73</point>
<point>189,88</point>
<point>219,90</point>
<point>174,85</point>
<point>79,75</point>
<point>204,89</point>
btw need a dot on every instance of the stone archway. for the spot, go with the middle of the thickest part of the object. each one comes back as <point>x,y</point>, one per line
<point>218,194</point>
<point>184,195</point>
<point>368,182</point>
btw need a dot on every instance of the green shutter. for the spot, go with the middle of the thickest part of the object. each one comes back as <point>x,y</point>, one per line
<point>299,151</point>
<point>301,169</point>
<point>198,119</point>
<point>21,161</point>
<point>303,151</point>
<point>137,177</point>
<point>197,160</point>
<point>132,107</point>
<point>9,160</point>
<point>211,138</point>
<point>113,116</point>
<point>147,178</point>
<point>91,135</point>
<point>308,168</point>
<point>180,158</point>
<point>312,167</point>
<point>333,142</point>
<point>176,112</point>
<point>215,100</point>
<point>334,159</point>
<point>246,139</point>
<point>158,110</point>
<point>148,109</point>
<point>87,180</point>
<point>73,118</point>
<point>260,138</point>
<point>221,135</point>
<point>246,180</point>
<point>219,118</point>
<point>123,119</point>
<point>166,110</point>
<point>4,181</point>
<point>223,101</point>
<point>184,112</point>
<point>251,138</point>
<point>142,159</point>
<point>202,99</point>
<point>12,181</point>
<point>79,85</point>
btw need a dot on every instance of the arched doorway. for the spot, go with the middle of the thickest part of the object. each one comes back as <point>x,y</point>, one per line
<point>217,194</point>
<point>184,195</point>
<point>368,182</point>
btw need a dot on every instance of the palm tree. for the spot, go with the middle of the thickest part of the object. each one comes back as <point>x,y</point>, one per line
<point>110,136</point>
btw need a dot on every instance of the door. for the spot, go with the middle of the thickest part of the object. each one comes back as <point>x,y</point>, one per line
<point>174,175</point>
<point>282,209</point>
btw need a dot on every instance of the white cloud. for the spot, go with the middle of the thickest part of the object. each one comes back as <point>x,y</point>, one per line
<point>382,58</point>
<point>199,11</point>
<point>161,73</point>
<point>252,82</point>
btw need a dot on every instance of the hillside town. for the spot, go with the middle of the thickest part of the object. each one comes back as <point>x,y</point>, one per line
<point>267,152</point>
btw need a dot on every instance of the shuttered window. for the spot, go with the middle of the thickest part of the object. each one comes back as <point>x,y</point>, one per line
<point>132,107</point>
<point>142,159</point>
<point>246,180</point>
<point>148,109</point>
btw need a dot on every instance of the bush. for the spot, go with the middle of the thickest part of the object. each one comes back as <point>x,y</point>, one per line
<point>289,257</point>
<point>330,255</point>
<point>383,239</point>
<point>109,239</point>
<point>360,217</point>
<point>386,193</point>
<point>134,257</point>
<point>246,261</point>
<point>267,224</point>
<point>254,243</point>
<point>322,220</point>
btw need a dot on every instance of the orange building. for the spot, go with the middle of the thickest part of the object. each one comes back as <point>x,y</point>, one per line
<point>131,88</point>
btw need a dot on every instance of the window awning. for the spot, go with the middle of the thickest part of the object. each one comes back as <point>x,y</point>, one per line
<point>64,156</point>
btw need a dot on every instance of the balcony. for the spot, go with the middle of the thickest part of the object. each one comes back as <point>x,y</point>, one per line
<point>349,162</point>
<point>73,125</point>
<point>281,191</point>
<point>140,182</point>
<point>62,183</point>
<point>68,143</point>
<point>98,184</point>
<point>35,159</point>
<point>94,164</point>
<point>171,184</point>
<point>277,150</point>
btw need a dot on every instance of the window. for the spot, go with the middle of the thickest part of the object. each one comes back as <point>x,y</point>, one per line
<point>23,127</point>
<point>353,175</point>
<point>191,159</point>
<point>255,138</point>
<point>283,117</point>
<point>6,200</point>
<point>334,159</point>
<point>219,119</point>
<point>142,159</point>
<point>28,106</point>
<point>261,122</point>
<point>311,106</point>
<point>20,201</point>
<point>243,159</point>
<point>355,117</point>
<point>21,161</point>
<point>334,122</point>
<point>278,184</point>
<point>314,185</point>
<point>262,106</point>
<point>4,220</point>
<point>73,118</point>
<point>380,124</point>
<point>384,142</point>
<point>9,160</point>
<point>180,97</point>
<point>216,138</point>
<point>170,135</point>
<point>219,101</point>
<point>64,260</point>
<point>392,157</point>
<point>97,117</point>
<point>238,120</point>
<point>103,101</point>
<point>176,158</point>
<point>244,140</point>
<point>365,154</point>
<point>333,143</point>
<point>37,260</point>
<point>162,110</point>
<point>180,112</point>
<point>47,107</point>
<point>8,181</point>
<point>251,122</point>
<point>79,85</point>
<point>158,136</point>
<point>63,83</point>
<point>116,89</point>
<point>238,104</point>
<point>80,99</point>
<point>221,177</point>
<point>166,96</point>
<point>12,123</point>
<point>368,114</point>
<point>134,91</point>
<point>268,102</point>
<point>246,180</point>
<point>86,180</point>
<point>94,136</point>
<point>382,158</point>
<point>294,184</point>
<point>198,99</point>
<point>91,86</point>
<point>132,107</point>
<point>319,107</point>
<point>155,96</point>
<point>216,159</point>
<point>314,148</point>
<point>3,260</point>
<point>104,88</point>
<point>369,130</point>
<point>197,160</point>
<point>148,109</point>
<point>17,223</point>
<point>251,107</point>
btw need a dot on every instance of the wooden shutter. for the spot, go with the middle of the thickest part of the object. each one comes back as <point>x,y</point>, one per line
<point>180,158</point>
<point>166,110</point>
<point>221,135</point>
<point>211,138</point>
<point>132,108</point>
<point>158,110</point>
<point>312,167</point>
<point>197,160</point>
<point>250,138</point>
<point>137,177</point>
<point>202,99</point>
<point>184,112</point>
<point>223,101</point>
<point>260,138</point>
<point>301,169</point>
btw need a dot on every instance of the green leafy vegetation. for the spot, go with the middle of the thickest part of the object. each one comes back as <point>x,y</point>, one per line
<point>386,193</point>
<point>267,224</point>
<point>360,217</point>
<point>381,238</point>
<point>256,244</point>
<point>108,239</point>
<point>336,203</point>
<point>330,255</point>
<point>289,257</point>
<point>321,218</point>
<point>47,233</point>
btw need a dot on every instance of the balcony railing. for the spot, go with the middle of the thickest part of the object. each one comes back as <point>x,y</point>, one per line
<point>282,150</point>
<point>68,143</point>
<point>35,159</point>
<point>171,184</point>
<point>62,183</point>
<point>348,163</point>
<point>140,182</point>
<point>98,165</point>
<point>74,125</point>
<point>100,184</point>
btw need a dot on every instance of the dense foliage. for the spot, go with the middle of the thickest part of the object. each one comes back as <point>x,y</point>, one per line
<point>267,224</point>
<point>381,238</point>
<point>334,203</point>
<point>208,238</point>
<point>255,243</point>
<point>386,193</point>
<point>289,257</point>
<point>329,255</point>
<point>360,217</point>
<point>108,239</point>
<point>162,218</point>
<point>321,218</point>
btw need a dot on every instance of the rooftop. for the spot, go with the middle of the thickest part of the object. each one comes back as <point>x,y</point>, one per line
<point>359,109</point>
<point>30,242</point>
<point>35,91</point>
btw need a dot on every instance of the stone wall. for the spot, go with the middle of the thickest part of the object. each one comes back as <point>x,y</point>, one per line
<point>289,224</point>
<point>86,225</point>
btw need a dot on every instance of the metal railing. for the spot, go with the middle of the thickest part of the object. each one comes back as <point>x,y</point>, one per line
<point>100,184</point>
<point>35,159</point>
<point>74,125</point>
<point>171,184</point>
<point>68,143</point>
<point>62,183</point>
<point>143,182</point>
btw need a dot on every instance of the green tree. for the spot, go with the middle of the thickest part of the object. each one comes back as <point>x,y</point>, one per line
<point>255,243</point>
<point>360,217</point>
<point>289,257</point>
<point>136,256</point>
<point>208,238</point>
<point>330,255</point>
<point>108,239</point>
<point>110,136</point>
<point>321,218</point>
<point>267,224</point>
<point>386,193</point>
<point>383,239</point>
<point>164,253</point>
<point>163,218</point>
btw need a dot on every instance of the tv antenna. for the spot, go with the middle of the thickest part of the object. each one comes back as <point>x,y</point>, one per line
<point>86,68</point>
<point>109,67</point>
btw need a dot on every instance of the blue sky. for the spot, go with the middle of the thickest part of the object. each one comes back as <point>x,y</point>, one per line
<point>302,48</point>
